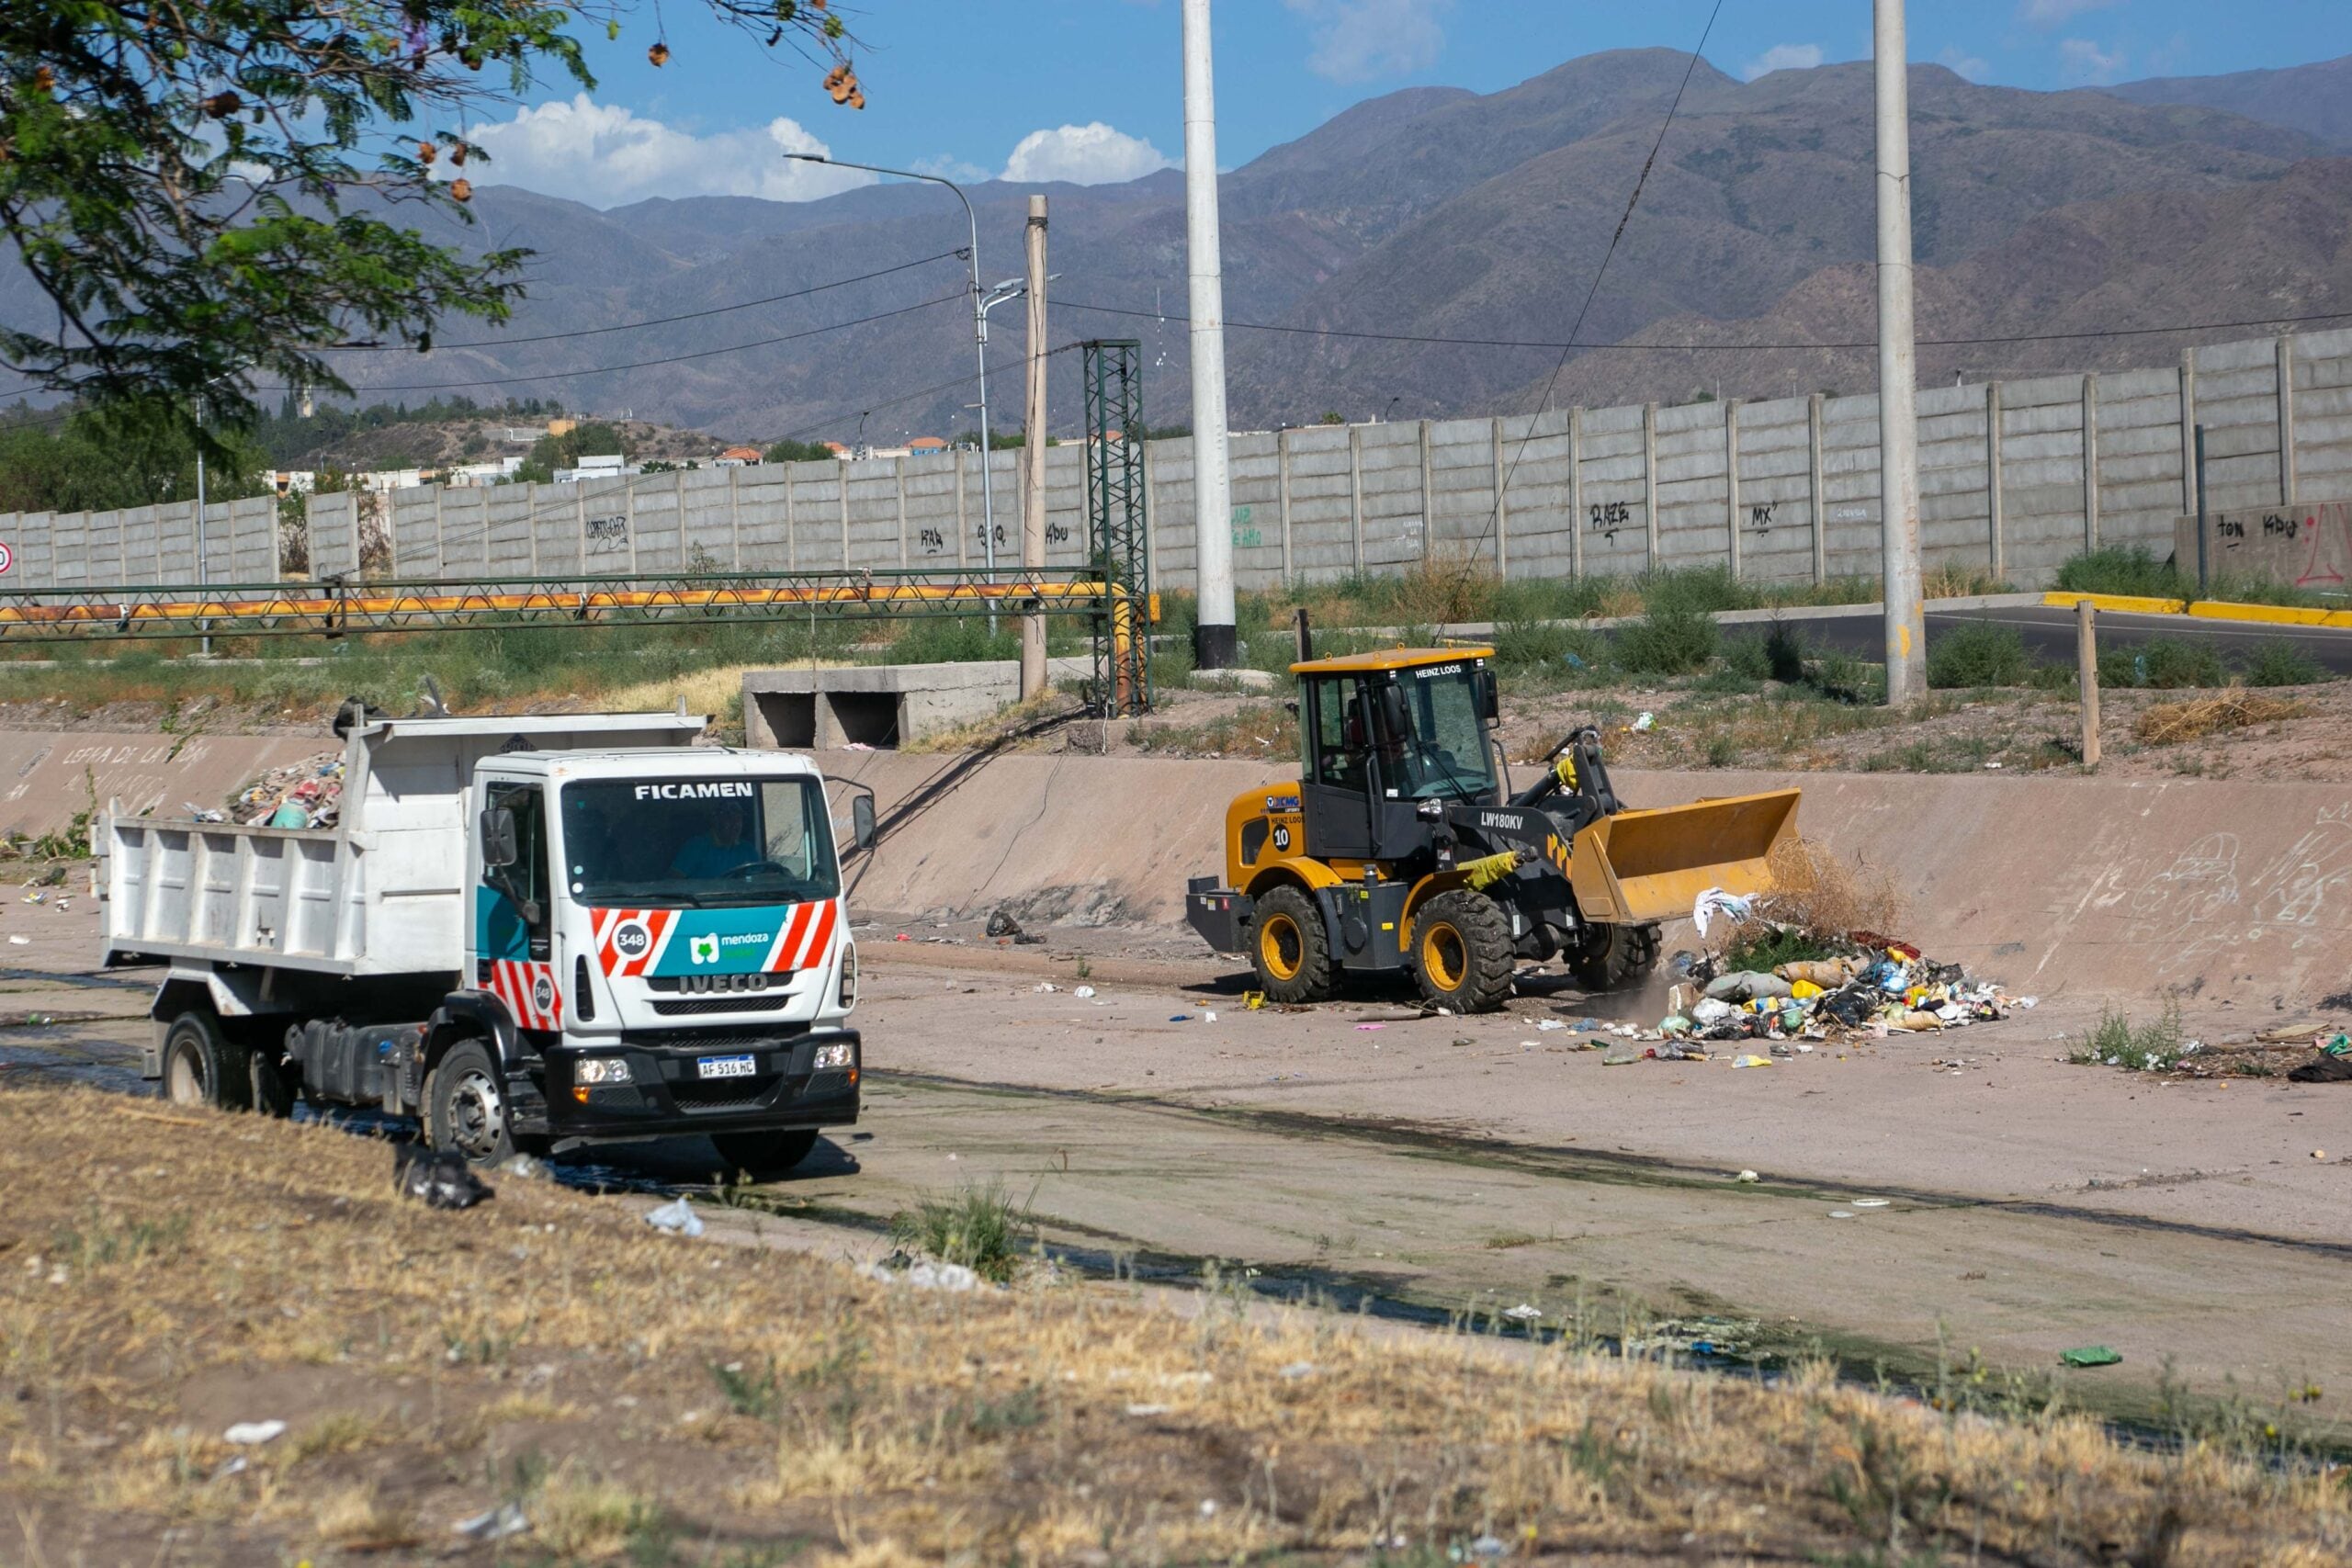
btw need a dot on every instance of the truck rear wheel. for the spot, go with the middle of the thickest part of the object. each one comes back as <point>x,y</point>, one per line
<point>764,1156</point>
<point>1291,949</point>
<point>1615,956</point>
<point>1462,952</point>
<point>465,1106</point>
<point>203,1067</point>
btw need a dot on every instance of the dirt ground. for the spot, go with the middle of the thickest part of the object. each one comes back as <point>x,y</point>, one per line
<point>2014,731</point>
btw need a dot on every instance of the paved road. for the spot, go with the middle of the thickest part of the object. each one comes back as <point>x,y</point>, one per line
<point>2049,631</point>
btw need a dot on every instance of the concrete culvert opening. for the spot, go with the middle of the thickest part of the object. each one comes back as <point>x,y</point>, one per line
<point>868,718</point>
<point>790,716</point>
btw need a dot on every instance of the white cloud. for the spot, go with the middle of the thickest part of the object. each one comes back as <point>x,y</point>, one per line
<point>1976,68</point>
<point>2080,60</point>
<point>1781,57</point>
<point>1089,154</point>
<point>605,155</point>
<point>2047,14</point>
<point>1359,41</point>
<point>948,167</point>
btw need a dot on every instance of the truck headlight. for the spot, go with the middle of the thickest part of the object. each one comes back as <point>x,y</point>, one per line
<point>849,978</point>
<point>600,1070</point>
<point>835,1058</point>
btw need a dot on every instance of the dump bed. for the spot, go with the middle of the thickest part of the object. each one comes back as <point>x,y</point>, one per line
<point>381,893</point>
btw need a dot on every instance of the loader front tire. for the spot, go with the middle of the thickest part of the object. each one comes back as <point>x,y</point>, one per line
<point>1462,952</point>
<point>1615,956</point>
<point>1291,948</point>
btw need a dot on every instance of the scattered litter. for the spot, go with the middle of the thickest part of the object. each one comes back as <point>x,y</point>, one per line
<point>676,1216</point>
<point>1868,1202</point>
<point>1841,1213</point>
<point>1487,1549</point>
<point>529,1167</point>
<point>1749,1176</point>
<point>2090,1356</point>
<point>1180,1018</point>
<point>1081,991</point>
<point>1713,901</point>
<point>1522,1312</point>
<point>1296,1370</point>
<point>506,1520</point>
<point>1368,1028</point>
<point>1208,1017</point>
<point>1253,1000</point>
<point>440,1179</point>
<point>1043,986</point>
<point>20,942</point>
<point>247,1434</point>
<point>1644,722</point>
<point>1141,1410</point>
<point>2333,1064</point>
<point>1751,1061</point>
<point>1620,1058</point>
<point>1548,1024</point>
<point>952,1277</point>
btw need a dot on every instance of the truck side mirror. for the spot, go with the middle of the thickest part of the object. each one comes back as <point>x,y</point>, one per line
<point>498,847</point>
<point>1491,705</point>
<point>861,822</point>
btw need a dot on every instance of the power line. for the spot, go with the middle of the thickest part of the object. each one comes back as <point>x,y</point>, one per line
<point>1502,482</point>
<point>648,363</point>
<point>1632,347</point>
<point>666,320</point>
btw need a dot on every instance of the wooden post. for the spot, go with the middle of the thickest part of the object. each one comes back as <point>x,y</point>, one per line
<point>2187,429</point>
<point>2086,674</point>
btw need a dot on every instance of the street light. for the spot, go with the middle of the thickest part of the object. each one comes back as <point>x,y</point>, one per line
<point>980,303</point>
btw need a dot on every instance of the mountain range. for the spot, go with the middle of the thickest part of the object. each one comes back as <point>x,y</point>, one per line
<point>1442,213</point>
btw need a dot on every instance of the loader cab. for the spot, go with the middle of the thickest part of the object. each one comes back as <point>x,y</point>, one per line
<point>1385,736</point>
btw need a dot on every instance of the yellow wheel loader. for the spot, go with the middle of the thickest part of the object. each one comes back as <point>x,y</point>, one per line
<point>1402,846</point>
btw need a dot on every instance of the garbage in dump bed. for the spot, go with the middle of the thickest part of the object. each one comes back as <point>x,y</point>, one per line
<point>307,794</point>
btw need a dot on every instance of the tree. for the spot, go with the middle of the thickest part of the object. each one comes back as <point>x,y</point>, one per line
<point>789,451</point>
<point>81,459</point>
<point>203,190</point>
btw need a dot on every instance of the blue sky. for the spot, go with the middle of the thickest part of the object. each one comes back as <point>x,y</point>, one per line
<point>1090,89</point>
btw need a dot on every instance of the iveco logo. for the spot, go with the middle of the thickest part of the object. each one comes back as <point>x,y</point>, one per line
<point>723,983</point>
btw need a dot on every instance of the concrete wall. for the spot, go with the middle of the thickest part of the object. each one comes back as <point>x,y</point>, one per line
<point>2014,477</point>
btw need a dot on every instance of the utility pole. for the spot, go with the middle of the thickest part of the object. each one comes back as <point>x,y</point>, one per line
<point>1213,643</point>
<point>1899,423</point>
<point>1032,456</point>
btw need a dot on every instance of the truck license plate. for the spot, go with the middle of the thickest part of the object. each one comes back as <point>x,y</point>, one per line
<point>727,1067</point>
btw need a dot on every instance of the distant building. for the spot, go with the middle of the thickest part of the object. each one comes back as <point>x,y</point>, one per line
<point>294,481</point>
<point>488,473</point>
<point>603,466</point>
<point>838,450</point>
<point>384,481</point>
<point>562,426</point>
<point>739,456</point>
<point>926,444</point>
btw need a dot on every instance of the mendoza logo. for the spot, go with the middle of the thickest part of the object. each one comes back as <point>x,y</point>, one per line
<point>724,789</point>
<point>703,949</point>
<point>631,940</point>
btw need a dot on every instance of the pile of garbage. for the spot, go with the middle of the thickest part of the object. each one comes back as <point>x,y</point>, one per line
<point>307,794</point>
<point>1868,986</point>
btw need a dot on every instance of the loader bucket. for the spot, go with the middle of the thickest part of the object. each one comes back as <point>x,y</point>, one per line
<point>1638,866</point>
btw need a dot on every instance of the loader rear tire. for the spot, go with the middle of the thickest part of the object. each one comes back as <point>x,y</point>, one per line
<point>1462,952</point>
<point>1291,948</point>
<point>1614,957</point>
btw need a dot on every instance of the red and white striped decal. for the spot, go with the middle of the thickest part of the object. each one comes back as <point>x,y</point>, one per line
<point>613,957</point>
<point>806,938</point>
<point>529,991</point>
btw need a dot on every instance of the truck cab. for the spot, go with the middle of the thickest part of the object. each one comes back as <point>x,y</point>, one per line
<point>530,933</point>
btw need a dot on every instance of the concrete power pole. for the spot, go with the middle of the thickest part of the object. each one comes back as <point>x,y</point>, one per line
<point>1214,644</point>
<point>1899,423</point>
<point>1032,456</point>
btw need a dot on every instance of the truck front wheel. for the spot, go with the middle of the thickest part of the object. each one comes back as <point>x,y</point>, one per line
<point>464,1106</point>
<point>764,1156</point>
<point>203,1067</point>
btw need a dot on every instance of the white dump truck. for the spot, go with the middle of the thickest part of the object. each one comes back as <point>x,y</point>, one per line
<point>529,931</point>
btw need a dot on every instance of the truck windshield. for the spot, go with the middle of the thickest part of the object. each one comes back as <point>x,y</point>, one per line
<point>697,843</point>
<point>1444,755</point>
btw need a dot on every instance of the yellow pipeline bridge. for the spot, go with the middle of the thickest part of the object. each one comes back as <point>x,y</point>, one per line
<point>340,607</point>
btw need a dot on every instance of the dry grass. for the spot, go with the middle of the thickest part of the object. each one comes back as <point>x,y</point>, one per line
<point>1820,893</point>
<point>2168,724</point>
<point>1054,1421</point>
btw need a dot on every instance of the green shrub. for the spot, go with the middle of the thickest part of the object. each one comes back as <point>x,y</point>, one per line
<point>2116,1042</point>
<point>2161,663</point>
<point>1529,645</point>
<point>2278,662</point>
<point>1667,642</point>
<point>1981,653</point>
<point>1696,590</point>
<point>978,1228</point>
<point>1784,653</point>
<point>942,640</point>
<point>1745,656</point>
<point>2121,568</point>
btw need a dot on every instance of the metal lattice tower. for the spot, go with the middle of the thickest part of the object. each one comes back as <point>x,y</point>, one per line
<point>1116,542</point>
